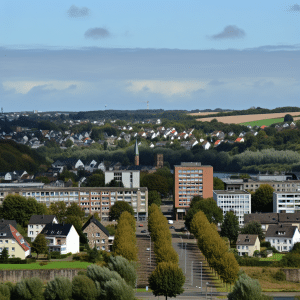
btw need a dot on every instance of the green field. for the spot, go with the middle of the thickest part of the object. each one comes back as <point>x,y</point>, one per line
<point>266,122</point>
<point>50,265</point>
<point>275,257</point>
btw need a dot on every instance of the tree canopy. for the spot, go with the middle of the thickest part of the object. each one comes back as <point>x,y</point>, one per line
<point>118,208</point>
<point>230,226</point>
<point>167,280</point>
<point>262,200</point>
<point>39,245</point>
<point>253,228</point>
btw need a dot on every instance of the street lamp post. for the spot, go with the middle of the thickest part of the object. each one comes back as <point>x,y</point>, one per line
<point>192,274</point>
<point>206,290</point>
<point>185,259</point>
<point>201,274</point>
<point>150,252</point>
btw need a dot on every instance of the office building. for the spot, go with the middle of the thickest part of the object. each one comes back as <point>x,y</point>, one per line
<point>129,178</point>
<point>191,179</point>
<point>237,201</point>
<point>284,202</point>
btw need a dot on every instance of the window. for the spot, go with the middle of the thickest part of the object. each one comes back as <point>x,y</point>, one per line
<point>97,234</point>
<point>103,247</point>
<point>6,241</point>
<point>103,241</point>
<point>30,232</point>
<point>13,249</point>
<point>98,241</point>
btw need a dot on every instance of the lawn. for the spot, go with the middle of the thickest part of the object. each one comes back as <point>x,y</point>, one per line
<point>266,122</point>
<point>274,257</point>
<point>50,265</point>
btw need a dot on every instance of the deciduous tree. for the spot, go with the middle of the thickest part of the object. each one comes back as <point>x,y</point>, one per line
<point>118,208</point>
<point>167,280</point>
<point>253,228</point>
<point>230,226</point>
<point>262,200</point>
<point>58,289</point>
<point>39,245</point>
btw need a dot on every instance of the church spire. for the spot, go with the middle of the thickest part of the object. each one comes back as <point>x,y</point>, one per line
<point>136,153</point>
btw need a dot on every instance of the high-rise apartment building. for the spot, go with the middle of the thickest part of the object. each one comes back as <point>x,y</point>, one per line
<point>191,179</point>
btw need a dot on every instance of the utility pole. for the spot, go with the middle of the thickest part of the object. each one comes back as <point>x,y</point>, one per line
<point>185,260</point>
<point>201,275</point>
<point>192,274</point>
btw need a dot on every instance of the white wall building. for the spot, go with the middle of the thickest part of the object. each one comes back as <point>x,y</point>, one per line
<point>237,201</point>
<point>284,202</point>
<point>282,237</point>
<point>129,178</point>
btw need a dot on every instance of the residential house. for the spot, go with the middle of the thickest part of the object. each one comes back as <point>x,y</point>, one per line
<point>217,143</point>
<point>62,238</point>
<point>246,244</point>
<point>57,183</point>
<point>97,235</point>
<point>37,223</point>
<point>231,133</point>
<point>240,140</point>
<point>206,145</point>
<point>263,126</point>
<point>13,241</point>
<point>282,237</point>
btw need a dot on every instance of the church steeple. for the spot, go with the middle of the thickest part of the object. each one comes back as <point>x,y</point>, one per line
<point>136,154</point>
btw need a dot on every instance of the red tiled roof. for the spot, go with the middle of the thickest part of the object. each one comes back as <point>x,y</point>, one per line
<point>217,142</point>
<point>263,126</point>
<point>238,139</point>
<point>18,237</point>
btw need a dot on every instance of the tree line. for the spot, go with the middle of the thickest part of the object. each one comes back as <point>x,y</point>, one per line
<point>125,238</point>
<point>214,248</point>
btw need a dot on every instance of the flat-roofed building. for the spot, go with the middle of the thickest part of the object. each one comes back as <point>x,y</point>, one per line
<point>237,201</point>
<point>91,199</point>
<point>191,179</point>
<point>129,178</point>
<point>284,202</point>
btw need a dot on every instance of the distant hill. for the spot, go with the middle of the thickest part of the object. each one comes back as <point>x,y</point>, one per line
<point>14,156</point>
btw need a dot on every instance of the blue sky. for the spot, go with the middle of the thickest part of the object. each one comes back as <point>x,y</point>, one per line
<point>88,55</point>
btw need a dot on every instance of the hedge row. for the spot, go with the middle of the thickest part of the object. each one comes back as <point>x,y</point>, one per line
<point>214,248</point>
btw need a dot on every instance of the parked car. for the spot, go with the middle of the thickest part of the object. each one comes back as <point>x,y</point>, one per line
<point>141,225</point>
<point>172,227</point>
<point>144,231</point>
<point>170,222</point>
<point>148,249</point>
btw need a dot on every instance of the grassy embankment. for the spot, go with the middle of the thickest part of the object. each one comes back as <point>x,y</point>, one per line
<point>50,265</point>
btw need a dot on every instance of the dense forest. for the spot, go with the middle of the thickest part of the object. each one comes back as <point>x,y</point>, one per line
<point>15,156</point>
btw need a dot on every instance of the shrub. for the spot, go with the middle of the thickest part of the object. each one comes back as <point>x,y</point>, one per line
<point>43,263</point>
<point>280,275</point>
<point>58,289</point>
<point>29,289</point>
<point>4,292</point>
<point>291,260</point>
<point>265,244</point>
<point>83,288</point>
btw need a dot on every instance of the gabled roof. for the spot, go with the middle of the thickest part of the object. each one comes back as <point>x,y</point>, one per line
<point>56,229</point>
<point>275,230</point>
<point>246,239</point>
<point>41,219</point>
<point>12,233</point>
<point>97,223</point>
<point>6,222</point>
<point>239,139</point>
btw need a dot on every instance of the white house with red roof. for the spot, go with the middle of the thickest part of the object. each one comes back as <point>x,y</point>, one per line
<point>13,241</point>
<point>240,140</point>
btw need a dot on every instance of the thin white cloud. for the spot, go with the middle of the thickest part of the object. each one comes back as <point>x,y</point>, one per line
<point>24,87</point>
<point>166,87</point>
<point>295,8</point>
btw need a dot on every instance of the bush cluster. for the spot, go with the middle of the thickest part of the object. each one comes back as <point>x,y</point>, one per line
<point>57,255</point>
<point>161,236</point>
<point>214,248</point>
<point>125,238</point>
<point>114,282</point>
<point>17,261</point>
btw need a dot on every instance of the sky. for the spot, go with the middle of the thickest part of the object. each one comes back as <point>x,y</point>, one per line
<point>178,54</point>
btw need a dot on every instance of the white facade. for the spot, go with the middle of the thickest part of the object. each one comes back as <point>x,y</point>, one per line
<point>286,202</point>
<point>72,242</point>
<point>237,201</point>
<point>35,229</point>
<point>283,243</point>
<point>129,178</point>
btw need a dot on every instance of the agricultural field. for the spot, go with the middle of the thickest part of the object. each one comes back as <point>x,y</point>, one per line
<point>205,113</point>
<point>266,278</point>
<point>248,118</point>
<point>50,265</point>
<point>266,122</point>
